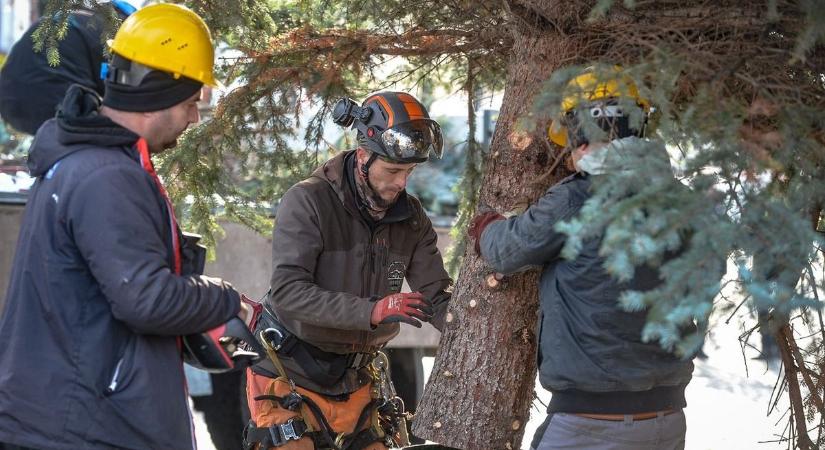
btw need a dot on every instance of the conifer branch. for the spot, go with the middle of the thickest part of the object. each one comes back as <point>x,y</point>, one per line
<point>803,441</point>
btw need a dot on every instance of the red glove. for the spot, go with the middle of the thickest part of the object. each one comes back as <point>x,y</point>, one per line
<point>478,224</point>
<point>406,307</point>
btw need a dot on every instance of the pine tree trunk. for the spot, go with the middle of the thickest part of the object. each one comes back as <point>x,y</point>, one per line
<point>481,386</point>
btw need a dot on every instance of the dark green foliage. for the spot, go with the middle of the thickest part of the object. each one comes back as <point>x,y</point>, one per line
<point>55,23</point>
<point>740,97</point>
<point>741,112</point>
<point>290,61</point>
<point>749,130</point>
<point>298,58</point>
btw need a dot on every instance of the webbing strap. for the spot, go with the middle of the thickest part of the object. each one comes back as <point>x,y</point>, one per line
<point>275,360</point>
<point>293,402</point>
<point>275,435</point>
<point>363,439</point>
<point>329,433</point>
<point>295,428</point>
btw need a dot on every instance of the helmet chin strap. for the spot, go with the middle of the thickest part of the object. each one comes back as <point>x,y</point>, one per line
<point>367,194</point>
<point>365,168</point>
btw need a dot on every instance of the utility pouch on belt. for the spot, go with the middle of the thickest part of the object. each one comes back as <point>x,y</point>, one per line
<point>323,368</point>
<point>227,347</point>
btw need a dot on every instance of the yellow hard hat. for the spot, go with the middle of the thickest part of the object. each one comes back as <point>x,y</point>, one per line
<point>594,85</point>
<point>557,133</point>
<point>169,38</point>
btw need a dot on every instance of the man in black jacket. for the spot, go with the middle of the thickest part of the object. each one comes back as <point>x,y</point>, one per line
<point>97,298</point>
<point>30,92</point>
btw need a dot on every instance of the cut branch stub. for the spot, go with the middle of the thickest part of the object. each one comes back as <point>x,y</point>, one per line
<point>494,280</point>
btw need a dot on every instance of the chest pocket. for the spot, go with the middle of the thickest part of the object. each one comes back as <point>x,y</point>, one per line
<point>395,276</point>
<point>389,263</point>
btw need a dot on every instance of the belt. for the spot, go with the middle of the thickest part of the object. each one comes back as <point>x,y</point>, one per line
<point>622,417</point>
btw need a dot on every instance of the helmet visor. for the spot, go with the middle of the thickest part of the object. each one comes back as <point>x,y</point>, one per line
<point>413,141</point>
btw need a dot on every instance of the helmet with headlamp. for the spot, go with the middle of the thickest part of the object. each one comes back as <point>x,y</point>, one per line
<point>392,125</point>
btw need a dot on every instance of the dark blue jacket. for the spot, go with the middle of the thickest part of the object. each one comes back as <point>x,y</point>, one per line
<point>591,354</point>
<point>89,356</point>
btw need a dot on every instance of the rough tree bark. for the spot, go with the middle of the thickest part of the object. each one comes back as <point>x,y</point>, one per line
<point>482,382</point>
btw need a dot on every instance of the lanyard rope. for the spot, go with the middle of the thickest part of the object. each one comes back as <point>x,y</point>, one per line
<point>146,162</point>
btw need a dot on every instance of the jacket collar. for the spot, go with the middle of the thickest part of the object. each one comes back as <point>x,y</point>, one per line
<point>338,172</point>
<point>78,124</point>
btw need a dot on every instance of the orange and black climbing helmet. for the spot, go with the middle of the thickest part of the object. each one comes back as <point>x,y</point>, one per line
<point>394,125</point>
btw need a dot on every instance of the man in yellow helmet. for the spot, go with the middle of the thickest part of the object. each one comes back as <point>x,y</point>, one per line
<point>101,287</point>
<point>610,389</point>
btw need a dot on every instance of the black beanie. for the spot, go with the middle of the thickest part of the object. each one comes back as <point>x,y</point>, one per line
<point>158,90</point>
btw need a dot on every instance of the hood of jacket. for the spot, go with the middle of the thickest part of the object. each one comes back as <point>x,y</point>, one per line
<point>78,124</point>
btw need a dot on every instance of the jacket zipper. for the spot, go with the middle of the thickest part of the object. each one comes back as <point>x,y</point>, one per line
<point>367,285</point>
<point>113,384</point>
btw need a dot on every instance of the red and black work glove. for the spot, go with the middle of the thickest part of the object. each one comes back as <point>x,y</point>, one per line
<point>406,307</point>
<point>478,224</point>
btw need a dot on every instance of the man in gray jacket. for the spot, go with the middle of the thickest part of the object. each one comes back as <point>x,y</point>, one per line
<point>345,239</point>
<point>610,389</point>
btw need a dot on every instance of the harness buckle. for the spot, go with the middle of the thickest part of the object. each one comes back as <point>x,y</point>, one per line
<point>282,433</point>
<point>288,430</point>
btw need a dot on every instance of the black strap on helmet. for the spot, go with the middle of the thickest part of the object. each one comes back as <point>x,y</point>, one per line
<point>125,72</point>
<point>365,168</point>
